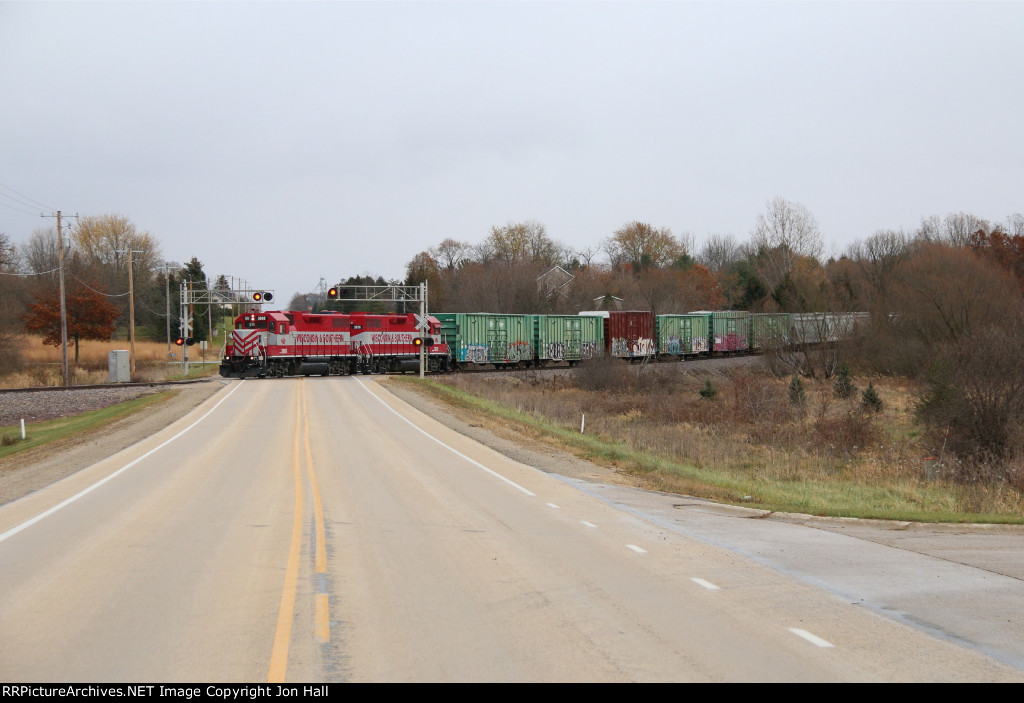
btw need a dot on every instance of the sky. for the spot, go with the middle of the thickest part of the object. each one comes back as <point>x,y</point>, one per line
<point>284,142</point>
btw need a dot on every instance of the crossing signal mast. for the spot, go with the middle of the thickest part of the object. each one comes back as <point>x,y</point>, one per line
<point>392,293</point>
<point>210,296</point>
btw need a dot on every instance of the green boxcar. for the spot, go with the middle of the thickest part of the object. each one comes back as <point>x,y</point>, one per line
<point>568,338</point>
<point>730,329</point>
<point>486,338</point>
<point>769,330</point>
<point>683,335</point>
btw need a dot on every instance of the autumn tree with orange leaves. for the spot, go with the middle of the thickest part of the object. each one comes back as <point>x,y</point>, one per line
<point>89,315</point>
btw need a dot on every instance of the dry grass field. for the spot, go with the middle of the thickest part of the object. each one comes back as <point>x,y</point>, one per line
<point>752,442</point>
<point>40,364</point>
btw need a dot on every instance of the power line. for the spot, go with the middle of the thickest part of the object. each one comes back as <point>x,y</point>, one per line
<point>30,202</point>
<point>109,295</point>
<point>37,273</point>
<point>27,212</point>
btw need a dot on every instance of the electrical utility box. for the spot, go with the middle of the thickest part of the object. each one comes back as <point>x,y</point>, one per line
<point>119,365</point>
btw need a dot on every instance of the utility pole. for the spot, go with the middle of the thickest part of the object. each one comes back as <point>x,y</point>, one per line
<point>167,297</point>
<point>65,376</point>
<point>131,313</point>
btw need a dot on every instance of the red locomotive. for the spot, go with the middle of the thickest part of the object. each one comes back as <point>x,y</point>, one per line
<point>330,343</point>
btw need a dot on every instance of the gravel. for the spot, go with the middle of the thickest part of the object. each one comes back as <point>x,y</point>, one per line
<point>36,406</point>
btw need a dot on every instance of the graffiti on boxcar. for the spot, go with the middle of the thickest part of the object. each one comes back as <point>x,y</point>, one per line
<point>673,345</point>
<point>700,345</point>
<point>588,350</point>
<point>477,353</point>
<point>644,346</point>
<point>731,342</point>
<point>556,351</point>
<point>519,351</point>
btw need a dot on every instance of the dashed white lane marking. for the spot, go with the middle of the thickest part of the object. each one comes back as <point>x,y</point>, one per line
<point>638,550</point>
<point>451,449</point>
<point>588,524</point>
<point>552,505</point>
<point>706,584</point>
<point>813,639</point>
<point>110,477</point>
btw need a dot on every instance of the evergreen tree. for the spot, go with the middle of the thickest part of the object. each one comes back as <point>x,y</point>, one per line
<point>843,384</point>
<point>870,399</point>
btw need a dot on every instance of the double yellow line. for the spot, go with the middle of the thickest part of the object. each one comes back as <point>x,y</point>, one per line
<point>321,615</point>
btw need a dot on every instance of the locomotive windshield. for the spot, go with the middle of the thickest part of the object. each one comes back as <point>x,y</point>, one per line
<point>253,322</point>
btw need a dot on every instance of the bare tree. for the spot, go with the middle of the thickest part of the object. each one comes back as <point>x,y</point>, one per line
<point>40,253</point>
<point>975,397</point>
<point>877,258</point>
<point>451,253</point>
<point>944,293</point>
<point>642,246</point>
<point>1015,225</point>
<point>11,289</point>
<point>784,232</point>
<point>521,241</point>
<point>719,251</point>
<point>422,268</point>
<point>954,229</point>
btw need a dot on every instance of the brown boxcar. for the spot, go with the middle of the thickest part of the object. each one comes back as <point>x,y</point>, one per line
<point>628,334</point>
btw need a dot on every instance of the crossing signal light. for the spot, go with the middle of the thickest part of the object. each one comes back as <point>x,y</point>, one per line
<point>262,296</point>
<point>257,297</point>
<point>332,294</point>
<point>420,341</point>
<point>182,341</point>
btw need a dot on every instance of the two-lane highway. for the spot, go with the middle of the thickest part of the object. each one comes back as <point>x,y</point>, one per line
<point>320,529</point>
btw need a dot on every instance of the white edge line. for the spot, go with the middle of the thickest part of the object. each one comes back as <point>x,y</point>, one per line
<point>813,639</point>
<point>638,550</point>
<point>706,584</point>
<point>451,449</point>
<point>587,524</point>
<point>41,516</point>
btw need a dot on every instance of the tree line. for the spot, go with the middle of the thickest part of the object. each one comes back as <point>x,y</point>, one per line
<point>96,281</point>
<point>945,301</point>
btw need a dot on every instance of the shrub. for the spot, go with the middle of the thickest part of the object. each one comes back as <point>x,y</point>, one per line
<point>708,392</point>
<point>870,400</point>
<point>843,384</point>
<point>797,396</point>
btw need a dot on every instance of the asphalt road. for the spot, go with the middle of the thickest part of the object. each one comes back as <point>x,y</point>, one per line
<point>322,530</point>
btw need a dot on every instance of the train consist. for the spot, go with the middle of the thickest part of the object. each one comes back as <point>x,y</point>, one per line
<point>333,343</point>
<point>330,343</point>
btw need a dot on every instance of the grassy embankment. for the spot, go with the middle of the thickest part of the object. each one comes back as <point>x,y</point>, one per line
<point>749,445</point>
<point>41,367</point>
<point>63,429</point>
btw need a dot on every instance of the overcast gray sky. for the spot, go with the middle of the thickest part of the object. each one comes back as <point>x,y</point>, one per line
<point>282,142</point>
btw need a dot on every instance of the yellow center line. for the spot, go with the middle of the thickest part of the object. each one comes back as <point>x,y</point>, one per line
<point>321,610</point>
<point>283,633</point>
